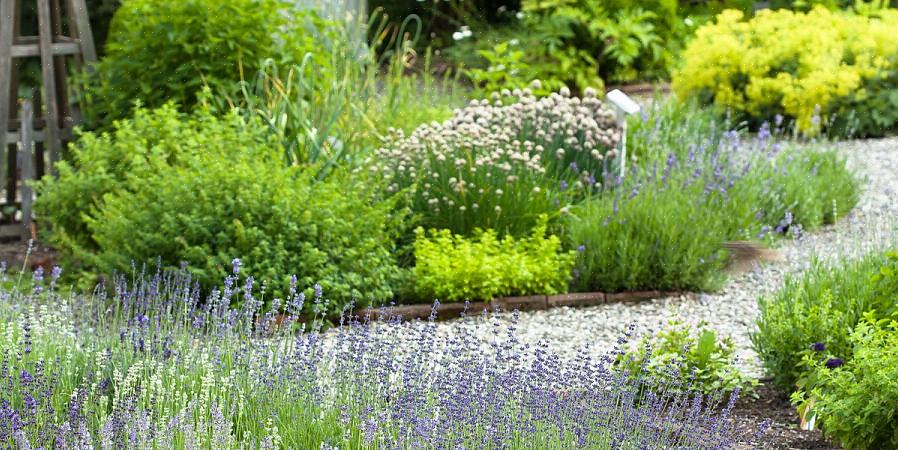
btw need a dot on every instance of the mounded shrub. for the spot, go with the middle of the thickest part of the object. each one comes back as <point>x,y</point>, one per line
<point>821,306</point>
<point>663,226</point>
<point>453,268</point>
<point>167,50</point>
<point>854,400</point>
<point>814,68</point>
<point>203,190</point>
<point>501,166</point>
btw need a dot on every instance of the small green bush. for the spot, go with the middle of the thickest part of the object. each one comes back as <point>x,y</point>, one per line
<point>663,237</point>
<point>454,268</point>
<point>854,400</point>
<point>804,66</point>
<point>202,190</point>
<point>167,50</point>
<point>695,357</point>
<point>820,306</point>
<point>693,186</point>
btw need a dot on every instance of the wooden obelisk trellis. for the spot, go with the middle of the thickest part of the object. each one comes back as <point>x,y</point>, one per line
<point>61,33</point>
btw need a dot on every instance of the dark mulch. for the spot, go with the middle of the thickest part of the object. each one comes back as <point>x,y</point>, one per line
<point>784,432</point>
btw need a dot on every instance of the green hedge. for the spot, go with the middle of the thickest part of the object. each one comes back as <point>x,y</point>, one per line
<point>204,190</point>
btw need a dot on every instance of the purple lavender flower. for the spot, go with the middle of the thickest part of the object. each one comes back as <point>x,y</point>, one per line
<point>833,363</point>
<point>235,265</point>
<point>818,347</point>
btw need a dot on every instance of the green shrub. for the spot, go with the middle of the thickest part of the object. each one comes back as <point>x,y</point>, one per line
<point>167,50</point>
<point>854,400</point>
<point>103,163</point>
<point>695,357</point>
<point>581,44</point>
<point>820,306</point>
<point>336,114</point>
<point>454,268</point>
<point>663,237</point>
<point>204,191</point>
<point>693,187</point>
<point>806,67</point>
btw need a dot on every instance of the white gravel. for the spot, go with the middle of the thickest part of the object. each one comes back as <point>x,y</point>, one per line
<point>733,311</point>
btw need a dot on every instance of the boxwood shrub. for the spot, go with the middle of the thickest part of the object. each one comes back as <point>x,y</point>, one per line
<point>203,191</point>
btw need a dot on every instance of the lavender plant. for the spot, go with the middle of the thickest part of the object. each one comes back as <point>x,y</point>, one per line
<point>501,163</point>
<point>151,364</point>
<point>693,185</point>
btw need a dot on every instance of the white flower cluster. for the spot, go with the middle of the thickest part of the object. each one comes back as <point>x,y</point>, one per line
<point>504,139</point>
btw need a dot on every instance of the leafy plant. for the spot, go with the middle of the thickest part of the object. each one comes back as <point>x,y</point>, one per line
<point>853,399</point>
<point>453,268</point>
<point>584,42</point>
<point>168,50</point>
<point>335,114</point>
<point>501,164</point>
<point>759,68</point>
<point>505,69</point>
<point>692,186</point>
<point>187,188</point>
<point>680,354</point>
<point>820,307</point>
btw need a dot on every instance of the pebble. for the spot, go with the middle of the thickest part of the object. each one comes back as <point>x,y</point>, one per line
<point>732,311</point>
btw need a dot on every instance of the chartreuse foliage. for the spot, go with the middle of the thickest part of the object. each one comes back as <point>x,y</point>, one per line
<point>455,268</point>
<point>824,70</point>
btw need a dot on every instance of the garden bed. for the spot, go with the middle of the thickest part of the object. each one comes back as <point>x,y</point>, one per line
<point>446,311</point>
<point>784,431</point>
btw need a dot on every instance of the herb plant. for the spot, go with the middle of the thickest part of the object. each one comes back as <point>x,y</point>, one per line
<point>453,268</point>
<point>694,355</point>
<point>148,362</point>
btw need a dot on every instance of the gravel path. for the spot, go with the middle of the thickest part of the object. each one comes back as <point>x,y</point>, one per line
<point>732,311</point>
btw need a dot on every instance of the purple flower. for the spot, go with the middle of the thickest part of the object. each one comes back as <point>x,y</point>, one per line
<point>832,363</point>
<point>236,265</point>
<point>563,185</point>
<point>574,166</point>
<point>581,248</point>
<point>818,347</point>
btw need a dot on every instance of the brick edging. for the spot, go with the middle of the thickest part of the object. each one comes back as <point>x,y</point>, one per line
<point>446,311</point>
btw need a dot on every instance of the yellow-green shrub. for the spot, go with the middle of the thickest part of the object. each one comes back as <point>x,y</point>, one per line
<point>788,63</point>
<point>453,268</point>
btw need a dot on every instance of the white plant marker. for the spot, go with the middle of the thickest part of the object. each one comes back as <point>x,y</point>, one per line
<point>623,106</point>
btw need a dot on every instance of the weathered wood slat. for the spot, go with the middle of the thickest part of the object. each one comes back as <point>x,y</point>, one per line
<point>27,143</point>
<point>7,34</point>
<point>57,49</point>
<point>78,11</point>
<point>49,79</point>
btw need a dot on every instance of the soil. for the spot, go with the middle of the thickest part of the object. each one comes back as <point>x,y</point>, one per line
<point>784,432</point>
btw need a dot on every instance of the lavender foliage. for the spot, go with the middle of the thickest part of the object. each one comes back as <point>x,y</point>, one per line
<point>152,364</point>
